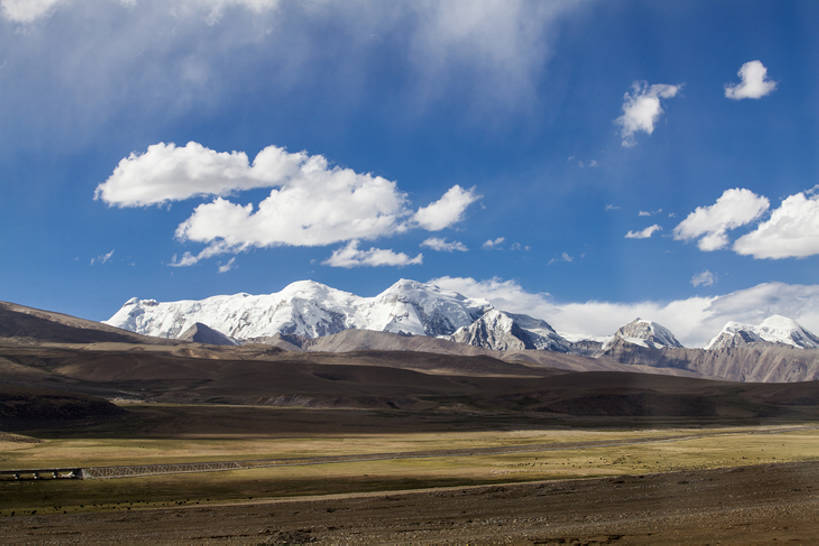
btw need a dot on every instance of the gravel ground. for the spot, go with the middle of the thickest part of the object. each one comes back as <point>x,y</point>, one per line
<point>746,505</point>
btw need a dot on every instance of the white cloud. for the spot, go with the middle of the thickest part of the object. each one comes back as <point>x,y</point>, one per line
<point>27,11</point>
<point>611,206</point>
<point>227,266</point>
<point>181,51</point>
<point>735,207</point>
<point>493,243</point>
<point>591,163</point>
<point>166,172</point>
<point>503,41</point>
<point>792,231</point>
<point>649,212</point>
<point>311,204</point>
<point>214,249</point>
<point>693,320</point>
<point>350,256</point>
<point>442,245</point>
<point>102,258</point>
<point>216,8</point>
<point>643,233</point>
<point>564,257</point>
<point>519,246</point>
<point>187,259</point>
<point>753,84</point>
<point>448,210</point>
<point>706,278</point>
<point>642,108</point>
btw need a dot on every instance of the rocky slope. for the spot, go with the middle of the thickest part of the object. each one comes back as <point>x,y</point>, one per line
<point>751,362</point>
<point>506,331</point>
<point>21,322</point>
<point>643,333</point>
<point>202,333</point>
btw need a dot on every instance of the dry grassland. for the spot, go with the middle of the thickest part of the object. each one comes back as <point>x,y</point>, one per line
<point>729,448</point>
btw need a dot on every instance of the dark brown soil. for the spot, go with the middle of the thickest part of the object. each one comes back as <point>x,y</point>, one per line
<point>747,505</point>
<point>25,407</point>
<point>390,381</point>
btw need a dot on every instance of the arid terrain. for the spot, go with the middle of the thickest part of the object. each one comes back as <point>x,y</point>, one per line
<point>744,505</point>
<point>187,443</point>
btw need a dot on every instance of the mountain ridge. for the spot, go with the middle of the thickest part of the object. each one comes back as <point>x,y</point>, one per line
<point>309,309</point>
<point>775,329</point>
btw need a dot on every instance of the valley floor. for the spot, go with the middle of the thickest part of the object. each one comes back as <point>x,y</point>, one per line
<point>745,505</point>
<point>346,476</point>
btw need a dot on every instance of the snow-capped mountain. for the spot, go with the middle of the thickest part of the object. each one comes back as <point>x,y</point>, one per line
<point>774,329</point>
<point>733,334</point>
<point>304,308</point>
<point>643,333</point>
<point>506,331</point>
<point>308,309</point>
<point>416,308</point>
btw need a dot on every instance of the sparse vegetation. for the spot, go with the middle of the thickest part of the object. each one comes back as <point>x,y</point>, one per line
<point>724,447</point>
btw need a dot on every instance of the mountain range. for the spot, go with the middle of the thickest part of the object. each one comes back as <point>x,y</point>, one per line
<point>307,310</point>
<point>507,339</point>
<point>774,329</point>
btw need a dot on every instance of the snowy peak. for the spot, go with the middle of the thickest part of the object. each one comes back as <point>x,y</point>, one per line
<point>412,307</point>
<point>644,333</point>
<point>774,329</point>
<point>505,331</point>
<point>733,334</point>
<point>307,309</point>
<point>779,329</point>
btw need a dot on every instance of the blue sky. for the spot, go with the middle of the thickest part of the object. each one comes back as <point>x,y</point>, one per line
<point>551,125</point>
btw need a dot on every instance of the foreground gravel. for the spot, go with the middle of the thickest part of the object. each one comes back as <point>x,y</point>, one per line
<point>745,505</point>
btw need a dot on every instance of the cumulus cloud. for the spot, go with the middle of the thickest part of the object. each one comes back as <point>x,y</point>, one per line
<point>734,208</point>
<point>493,243</point>
<point>442,245</point>
<point>643,233</point>
<point>102,258</point>
<point>642,108</point>
<point>754,83</point>
<point>166,172</point>
<point>311,203</point>
<point>351,256</point>
<point>792,231</point>
<point>693,320</point>
<point>448,210</point>
<point>706,278</point>
<point>611,206</point>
